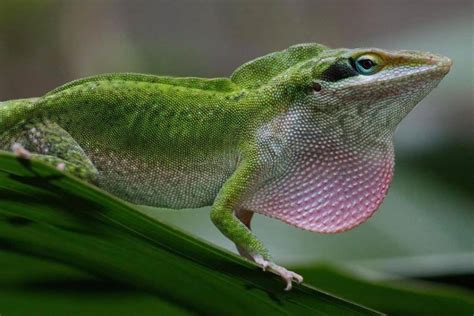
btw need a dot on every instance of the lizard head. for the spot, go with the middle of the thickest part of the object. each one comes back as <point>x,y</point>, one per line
<point>370,91</point>
<point>331,152</point>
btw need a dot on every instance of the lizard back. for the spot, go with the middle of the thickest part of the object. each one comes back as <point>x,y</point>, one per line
<point>159,141</point>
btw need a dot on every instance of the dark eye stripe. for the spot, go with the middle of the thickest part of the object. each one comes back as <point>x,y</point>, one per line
<point>341,69</point>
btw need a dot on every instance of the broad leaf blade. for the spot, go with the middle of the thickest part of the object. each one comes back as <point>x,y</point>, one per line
<point>47,214</point>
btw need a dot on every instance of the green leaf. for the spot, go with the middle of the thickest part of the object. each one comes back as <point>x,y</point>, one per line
<point>53,216</point>
<point>407,298</point>
<point>32,286</point>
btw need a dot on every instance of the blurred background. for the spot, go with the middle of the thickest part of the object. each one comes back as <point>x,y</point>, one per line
<point>425,227</point>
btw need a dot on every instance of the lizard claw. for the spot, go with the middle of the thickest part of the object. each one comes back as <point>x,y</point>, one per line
<point>287,275</point>
<point>20,151</point>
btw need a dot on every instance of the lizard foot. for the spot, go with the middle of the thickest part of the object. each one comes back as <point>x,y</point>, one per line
<point>20,151</point>
<point>287,275</point>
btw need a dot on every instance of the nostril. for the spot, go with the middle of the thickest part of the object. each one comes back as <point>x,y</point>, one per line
<point>438,60</point>
<point>432,60</point>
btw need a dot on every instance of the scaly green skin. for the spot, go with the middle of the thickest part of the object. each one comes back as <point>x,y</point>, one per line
<point>242,144</point>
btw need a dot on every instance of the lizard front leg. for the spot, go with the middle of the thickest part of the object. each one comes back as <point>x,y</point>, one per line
<point>249,246</point>
<point>245,217</point>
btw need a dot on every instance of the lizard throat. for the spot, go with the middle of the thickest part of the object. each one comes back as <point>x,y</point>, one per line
<point>324,183</point>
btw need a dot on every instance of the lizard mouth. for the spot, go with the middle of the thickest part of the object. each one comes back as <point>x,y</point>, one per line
<point>421,75</point>
<point>434,66</point>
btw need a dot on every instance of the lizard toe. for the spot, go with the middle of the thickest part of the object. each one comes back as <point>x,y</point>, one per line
<point>287,275</point>
<point>297,278</point>
<point>261,261</point>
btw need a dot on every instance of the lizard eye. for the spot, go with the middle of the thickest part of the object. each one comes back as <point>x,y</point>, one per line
<point>367,64</point>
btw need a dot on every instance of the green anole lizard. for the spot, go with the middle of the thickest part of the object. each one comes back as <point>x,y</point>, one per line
<point>303,135</point>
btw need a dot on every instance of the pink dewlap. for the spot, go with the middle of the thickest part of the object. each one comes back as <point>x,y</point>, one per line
<point>328,189</point>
